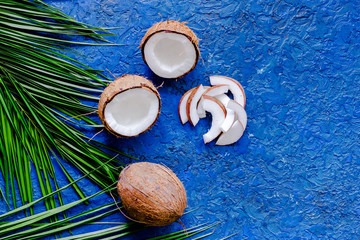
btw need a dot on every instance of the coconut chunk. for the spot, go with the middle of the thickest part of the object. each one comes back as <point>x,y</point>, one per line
<point>217,90</point>
<point>218,113</point>
<point>182,107</point>
<point>192,104</point>
<point>212,91</point>
<point>129,106</point>
<point>223,98</point>
<point>170,49</point>
<point>234,86</point>
<point>232,135</point>
<point>229,120</point>
<point>239,112</point>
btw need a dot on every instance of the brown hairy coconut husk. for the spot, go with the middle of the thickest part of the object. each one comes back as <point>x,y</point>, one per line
<point>151,194</point>
<point>170,49</point>
<point>129,106</point>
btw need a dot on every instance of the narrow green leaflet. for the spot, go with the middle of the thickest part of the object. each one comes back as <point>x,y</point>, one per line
<point>34,227</point>
<point>40,87</point>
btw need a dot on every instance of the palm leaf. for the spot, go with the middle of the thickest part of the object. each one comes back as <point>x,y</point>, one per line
<point>34,227</point>
<point>40,88</point>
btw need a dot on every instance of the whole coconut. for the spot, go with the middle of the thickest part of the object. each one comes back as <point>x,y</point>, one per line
<point>151,193</point>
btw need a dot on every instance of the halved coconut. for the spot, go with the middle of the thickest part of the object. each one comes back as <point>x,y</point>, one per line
<point>192,104</point>
<point>218,113</point>
<point>212,91</point>
<point>170,49</point>
<point>129,106</point>
<point>232,135</point>
<point>239,112</point>
<point>234,86</point>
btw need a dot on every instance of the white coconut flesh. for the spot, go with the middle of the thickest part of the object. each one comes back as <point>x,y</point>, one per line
<point>132,112</point>
<point>239,112</point>
<point>229,120</point>
<point>169,55</point>
<point>234,86</point>
<point>212,91</point>
<point>192,105</point>
<point>232,135</point>
<point>218,112</point>
<point>223,98</point>
<point>182,107</point>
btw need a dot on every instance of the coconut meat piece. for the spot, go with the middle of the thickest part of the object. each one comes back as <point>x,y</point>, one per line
<point>132,112</point>
<point>192,104</point>
<point>218,113</point>
<point>229,120</point>
<point>213,91</point>
<point>223,98</point>
<point>234,86</point>
<point>182,107</point>
<point>240,112</point>
<point>232,135</point>
<point>169,54</point>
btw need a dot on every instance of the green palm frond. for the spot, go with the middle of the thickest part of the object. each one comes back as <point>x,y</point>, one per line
<point>34,227</point>
<point>40,88</point>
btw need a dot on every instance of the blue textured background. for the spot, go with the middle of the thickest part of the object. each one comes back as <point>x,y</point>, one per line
<point>295,172</point>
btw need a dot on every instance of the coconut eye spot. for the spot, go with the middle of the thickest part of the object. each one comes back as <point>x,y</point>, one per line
<point>132,111</point>
<point>169,54</point>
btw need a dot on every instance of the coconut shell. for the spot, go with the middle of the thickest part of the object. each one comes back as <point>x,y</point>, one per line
<point>151,194</point>
<point>119,86</point>
<point>173,27</point>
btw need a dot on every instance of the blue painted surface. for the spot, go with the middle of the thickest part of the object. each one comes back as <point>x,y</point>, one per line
<point>295,172</point>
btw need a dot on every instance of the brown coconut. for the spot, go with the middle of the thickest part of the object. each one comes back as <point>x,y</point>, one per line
<point>151,194</point>
<point>119,86</point>
<point>171,26</point>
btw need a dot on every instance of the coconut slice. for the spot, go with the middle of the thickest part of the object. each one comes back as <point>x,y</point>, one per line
<point>234,86</point>
<point>218,113</point>
<point>213,91</point>
<point>192,104</point>
<point>217,90</point>
<point>129,106</point>
<point>223,98</point>
<point>182,107</point>
<point>170,49</point>
<point>232,135</point>
<point>239,112</point>
<point>229,120</point>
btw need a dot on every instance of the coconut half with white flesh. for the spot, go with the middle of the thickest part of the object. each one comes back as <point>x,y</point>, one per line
<point>129,106</point>
<point>170,49</point>
<point>234,86</point>
<point>218,113</point>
